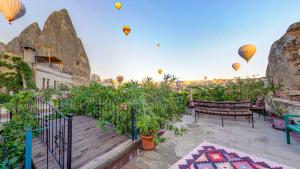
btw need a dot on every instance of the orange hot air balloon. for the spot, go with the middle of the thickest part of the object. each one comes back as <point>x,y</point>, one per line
<point>120,78</point>
<point>12,9</point>
<point>126,30</point>
<point>160,71</point>
<point>236,66</point>
<point>247,51</point>
<point>118,5</point>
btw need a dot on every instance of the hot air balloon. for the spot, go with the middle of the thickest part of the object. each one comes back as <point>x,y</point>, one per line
<point>159,71</point>
<point>12,9</point>
<point>236,66</point>
<point>205,77</point>
<point>120,78</point>
<point>118,5</point>
<point>126,30</point>
<point>247,51</point>
<point>158,45</point>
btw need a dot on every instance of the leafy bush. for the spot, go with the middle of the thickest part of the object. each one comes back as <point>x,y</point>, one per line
<point>112,106</point>
<point>14,131</point>
<point>4,98</point>
<point>13,80</point>
<point>238,90</point>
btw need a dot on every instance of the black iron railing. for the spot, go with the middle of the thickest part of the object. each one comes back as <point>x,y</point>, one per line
<point>55,130</point>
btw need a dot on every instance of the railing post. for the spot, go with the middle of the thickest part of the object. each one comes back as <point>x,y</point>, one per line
<point>69,143</point>
<point>28,148</point>
<point>133,128</point>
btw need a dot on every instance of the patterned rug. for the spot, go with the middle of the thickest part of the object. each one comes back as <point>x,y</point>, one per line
<point>212,156</point>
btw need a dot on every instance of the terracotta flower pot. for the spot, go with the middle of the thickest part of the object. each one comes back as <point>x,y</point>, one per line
<point>147,142</point>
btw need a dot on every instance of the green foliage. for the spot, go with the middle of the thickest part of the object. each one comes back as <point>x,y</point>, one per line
<point>239,90</point>
<point>147,124</point>
<point>48,93</point>
<point>19,73</point>
<point>4,98</point>
<point>112,106</point>
<point>14,131</point>
<point>279,109</point>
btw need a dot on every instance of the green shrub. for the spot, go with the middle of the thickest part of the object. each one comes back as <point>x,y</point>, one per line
<point>239,90</point>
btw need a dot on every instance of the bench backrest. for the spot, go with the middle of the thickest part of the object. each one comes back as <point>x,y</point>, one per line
<point>225,105</point>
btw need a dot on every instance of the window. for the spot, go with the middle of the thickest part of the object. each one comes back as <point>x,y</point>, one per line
<point>44,83</point>
<point>48,83</point>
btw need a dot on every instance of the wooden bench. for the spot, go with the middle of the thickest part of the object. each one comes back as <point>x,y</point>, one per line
<point>224,109</point>
<point>259,107</point>
<point>291,127</point>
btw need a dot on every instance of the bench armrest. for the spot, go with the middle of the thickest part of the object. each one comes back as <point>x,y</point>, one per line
<point>287,116</point>
<point>291,115</point>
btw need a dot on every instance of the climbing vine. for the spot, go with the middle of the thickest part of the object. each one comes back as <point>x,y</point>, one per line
<point>14,73</point>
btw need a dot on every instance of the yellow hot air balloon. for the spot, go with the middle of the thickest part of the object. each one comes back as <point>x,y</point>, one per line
<point>247,51</point>
<point>120,78</point>
<point>118,5</point>
<point>126,30</point>
<point>12,9</point>
<point>160,71</point>
<point>236,66</point>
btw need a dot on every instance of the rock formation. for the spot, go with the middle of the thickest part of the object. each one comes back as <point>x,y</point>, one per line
<point>58,38</point>
<point>284,62</point>
<point>95,78</point>
<point>2,47</point>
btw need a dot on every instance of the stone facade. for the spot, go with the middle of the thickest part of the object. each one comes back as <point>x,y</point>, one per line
<point>284,63</point>
<point>58,39</point>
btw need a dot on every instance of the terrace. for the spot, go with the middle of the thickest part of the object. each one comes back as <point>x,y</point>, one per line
<point>262,141</point>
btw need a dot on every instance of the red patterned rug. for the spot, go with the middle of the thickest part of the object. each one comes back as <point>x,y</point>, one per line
<point>212,156</point>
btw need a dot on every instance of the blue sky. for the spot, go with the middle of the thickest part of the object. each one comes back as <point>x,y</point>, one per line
<point>198,37</point>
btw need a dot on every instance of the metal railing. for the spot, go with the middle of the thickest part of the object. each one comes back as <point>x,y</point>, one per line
<point>55,131</point>
<point>14,152</point>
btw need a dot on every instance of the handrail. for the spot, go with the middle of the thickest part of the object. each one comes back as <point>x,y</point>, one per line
<point>52,107</point>
<point>55,131</point>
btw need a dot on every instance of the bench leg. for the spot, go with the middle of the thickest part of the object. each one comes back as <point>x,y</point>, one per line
<point>195,116</point>
<point>222,121</point>
<point>265,115</point>
<point>288,138</point>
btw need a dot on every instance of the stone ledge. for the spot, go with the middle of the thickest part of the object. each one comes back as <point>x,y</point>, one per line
<point>108,158</point>
<point>288,102</point>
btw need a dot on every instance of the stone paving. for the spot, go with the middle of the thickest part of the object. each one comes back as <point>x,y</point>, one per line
<point>262,141</point>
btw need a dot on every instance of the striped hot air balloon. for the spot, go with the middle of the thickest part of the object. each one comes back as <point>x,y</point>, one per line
<point>12,9</point>
<point>236,66</point>
<point>126,30</point>
<point>247,51</point>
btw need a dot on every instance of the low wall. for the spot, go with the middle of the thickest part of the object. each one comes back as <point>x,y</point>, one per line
<point>292,107</point>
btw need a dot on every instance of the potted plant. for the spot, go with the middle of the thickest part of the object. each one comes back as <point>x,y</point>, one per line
<point>148,127</point>
<point>279,111</point>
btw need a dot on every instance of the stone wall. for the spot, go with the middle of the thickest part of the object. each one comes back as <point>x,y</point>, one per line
<point>284,63</point>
